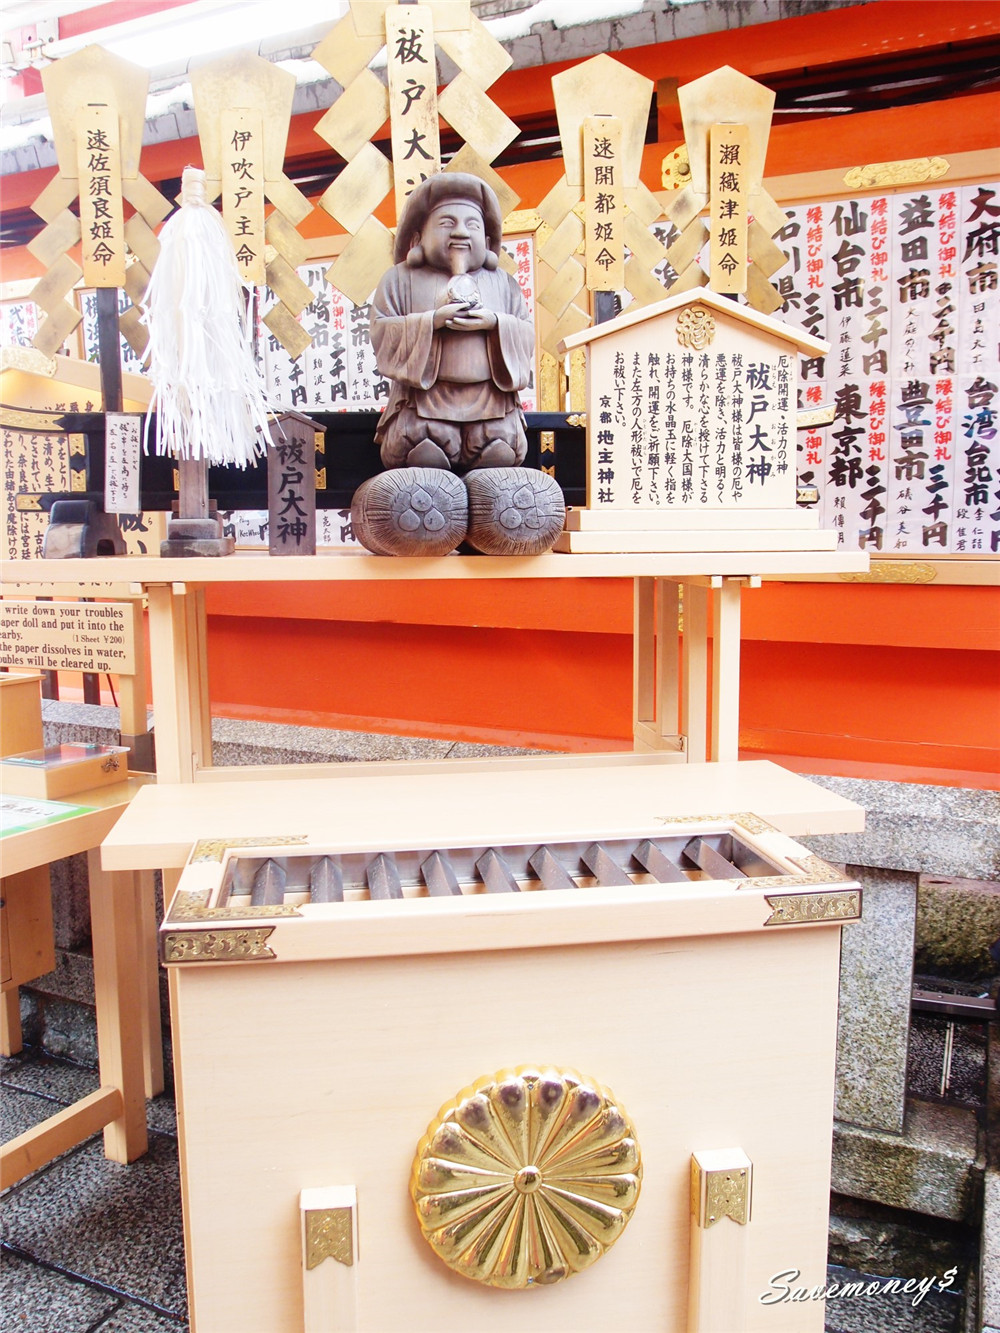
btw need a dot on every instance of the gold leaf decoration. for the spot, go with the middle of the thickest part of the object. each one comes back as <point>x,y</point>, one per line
<point>894,571</point>
<point>696,327</point>
<point>329,1235</point>
<point>912,171</point>
<point>217,946</point>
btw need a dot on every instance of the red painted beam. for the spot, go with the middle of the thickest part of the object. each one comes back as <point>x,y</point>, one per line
<point>108,15</point>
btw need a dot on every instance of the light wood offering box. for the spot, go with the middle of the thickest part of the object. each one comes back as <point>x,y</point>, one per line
<point>316,1041</point>
<point>20,711</point>
<point>62,770</point>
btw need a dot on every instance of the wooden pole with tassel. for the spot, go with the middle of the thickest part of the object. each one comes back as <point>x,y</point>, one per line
<point>207,394</point>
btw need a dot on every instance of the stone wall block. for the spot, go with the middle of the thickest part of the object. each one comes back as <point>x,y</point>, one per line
<point>876,982</point>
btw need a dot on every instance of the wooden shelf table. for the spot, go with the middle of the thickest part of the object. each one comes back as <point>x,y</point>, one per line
<point>671,687</point>
<point>165,821</point>
<point>126,984</point>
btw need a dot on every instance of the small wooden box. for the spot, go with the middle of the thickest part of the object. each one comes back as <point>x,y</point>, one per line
<point>61,770</point>
<point>20,711</point>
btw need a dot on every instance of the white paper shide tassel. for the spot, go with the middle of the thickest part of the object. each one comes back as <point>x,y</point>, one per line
<point>206,391</point>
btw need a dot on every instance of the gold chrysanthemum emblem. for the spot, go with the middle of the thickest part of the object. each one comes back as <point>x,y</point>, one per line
<point>526,1177</point>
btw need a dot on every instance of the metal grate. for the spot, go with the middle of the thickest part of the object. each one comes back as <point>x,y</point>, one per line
<point>450,872</point>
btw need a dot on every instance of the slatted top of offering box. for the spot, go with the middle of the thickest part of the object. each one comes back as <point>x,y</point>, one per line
<point>282,902</point>
<point>263,879</point>
<point>525,854</point>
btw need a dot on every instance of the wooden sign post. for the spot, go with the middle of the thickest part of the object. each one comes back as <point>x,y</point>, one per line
<point>291,485</point>
<point>413,107</point>
<point>243,190</point>
<point>728,149</point>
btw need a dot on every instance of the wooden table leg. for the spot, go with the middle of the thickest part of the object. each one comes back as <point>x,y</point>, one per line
<point>132,697</point>
<point>726,671</point>
<point>643,663</point>
<point>10,1022</point>
<point>656,674</point>
<point>201,713</point>
<point>694,672</point>
<point>168,667</point>
<point>119,995</point>
<point>668,677</point>
<point>27,948</point>
<point>171,878</point>
<point>152,1032</point>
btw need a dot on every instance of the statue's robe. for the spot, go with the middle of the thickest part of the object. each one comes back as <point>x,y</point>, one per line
<point>444,375</point>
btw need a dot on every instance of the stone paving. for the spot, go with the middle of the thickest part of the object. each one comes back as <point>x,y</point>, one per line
<point>89,1244</point>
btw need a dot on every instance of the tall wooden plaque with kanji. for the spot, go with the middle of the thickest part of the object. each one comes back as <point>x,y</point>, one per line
<point>291,484</point>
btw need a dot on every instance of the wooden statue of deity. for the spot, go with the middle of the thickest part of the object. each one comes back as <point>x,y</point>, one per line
<point>451,332</point>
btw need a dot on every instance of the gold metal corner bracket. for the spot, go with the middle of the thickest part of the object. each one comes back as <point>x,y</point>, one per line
<point>329,1235</point>
<point>746,820</point>
<point>193,906</point>
<point>803,909</point>
<point>218,946</point>
<point>214,849</point>
<point>721,1187</point>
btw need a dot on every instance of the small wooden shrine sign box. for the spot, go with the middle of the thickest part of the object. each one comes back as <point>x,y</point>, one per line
<point>691,418</point>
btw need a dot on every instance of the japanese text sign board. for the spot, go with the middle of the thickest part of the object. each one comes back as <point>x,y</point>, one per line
<point>243,190</point>
<point>68,636</point>
<point>691,407</point>
<point>102,219</point>
<point>121,463</point>
<point>291,485</point>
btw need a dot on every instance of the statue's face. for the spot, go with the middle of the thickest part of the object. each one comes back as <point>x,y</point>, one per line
<point>455,228</point>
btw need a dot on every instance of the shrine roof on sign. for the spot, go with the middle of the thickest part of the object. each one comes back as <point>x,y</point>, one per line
<point>28,378</point>
<point>740,314</point>
<point>289,414</point>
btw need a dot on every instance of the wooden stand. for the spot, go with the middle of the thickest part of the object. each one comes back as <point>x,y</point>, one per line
<point>125,982</point>
<point>672,690</point>
<point>196,529</point>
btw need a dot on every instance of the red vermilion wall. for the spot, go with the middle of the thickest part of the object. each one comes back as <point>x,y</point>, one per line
<point>864,679</point>
<point>545,663</point>
<point>875,677</point>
